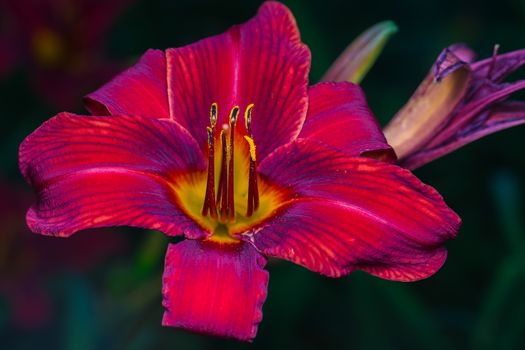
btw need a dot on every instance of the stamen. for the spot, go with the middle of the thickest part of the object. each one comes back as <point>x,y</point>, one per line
<point>209,200</point>
<point>231,205</point>
<point>253,191</point>
<point>222,192</point>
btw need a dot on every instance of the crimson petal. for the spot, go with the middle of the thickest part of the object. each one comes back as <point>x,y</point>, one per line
<point>141,90</point>
<point>339,116</point>
<point>354,213</point>
<point>214,288</point>
<point>261,61</point>
<point>98,171</point>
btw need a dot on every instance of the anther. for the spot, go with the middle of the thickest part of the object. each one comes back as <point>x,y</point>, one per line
<point>248,119</point>
<point>213,114</point>
<point>233,115</point>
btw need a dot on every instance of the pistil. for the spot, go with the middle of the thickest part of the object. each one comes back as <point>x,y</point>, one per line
<point>231,205</point>
<point>222,193</point>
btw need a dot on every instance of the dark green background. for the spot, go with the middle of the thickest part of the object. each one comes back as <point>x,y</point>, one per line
<point>476,301</point>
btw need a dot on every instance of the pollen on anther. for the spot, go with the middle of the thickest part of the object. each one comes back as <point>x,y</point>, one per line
<point>251,144</point>
<point>210,135</point>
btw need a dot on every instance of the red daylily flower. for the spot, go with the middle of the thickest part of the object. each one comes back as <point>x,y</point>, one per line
<point>222,141</point>
<point>61,41</point>
<point>459,102</point>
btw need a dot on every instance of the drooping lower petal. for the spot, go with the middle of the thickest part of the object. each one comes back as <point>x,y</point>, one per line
<point>339,116</point>
<point>141,90</point>
<point>352,213</point>
<point>99,171</point>
<point>261,62</point>
<point>214,288</point>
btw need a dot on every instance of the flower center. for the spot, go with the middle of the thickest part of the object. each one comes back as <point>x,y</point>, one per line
<point>222,206</point>
<point>230,197</point>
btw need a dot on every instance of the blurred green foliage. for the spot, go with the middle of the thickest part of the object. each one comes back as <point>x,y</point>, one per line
<point>474,302</point>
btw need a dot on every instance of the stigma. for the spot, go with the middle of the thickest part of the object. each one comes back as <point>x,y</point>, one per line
<point>219,198</point>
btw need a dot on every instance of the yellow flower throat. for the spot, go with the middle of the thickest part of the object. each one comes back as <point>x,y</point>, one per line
<point>237,199</point>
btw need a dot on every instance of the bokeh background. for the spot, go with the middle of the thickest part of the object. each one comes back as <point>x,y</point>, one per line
<point>102,289</point>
